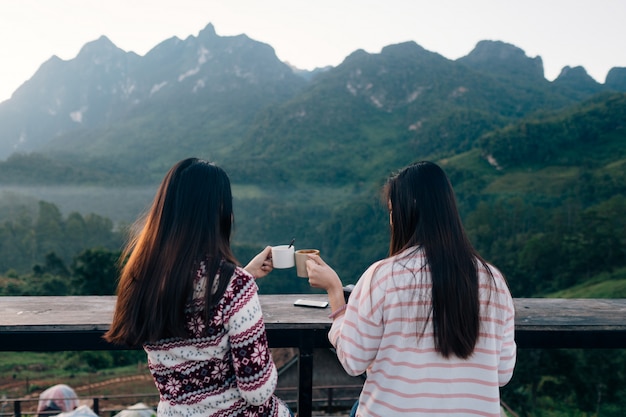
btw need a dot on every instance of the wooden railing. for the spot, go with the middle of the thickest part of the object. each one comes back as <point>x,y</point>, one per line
<point>78,323</point>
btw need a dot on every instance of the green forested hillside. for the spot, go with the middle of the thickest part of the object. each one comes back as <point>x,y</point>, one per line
<point>586,135</point>
<point>604,285</point>
<point>378,112</point>
<point>520,212</point>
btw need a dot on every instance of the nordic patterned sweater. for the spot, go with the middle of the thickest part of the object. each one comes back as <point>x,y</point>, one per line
<point>224,368</point>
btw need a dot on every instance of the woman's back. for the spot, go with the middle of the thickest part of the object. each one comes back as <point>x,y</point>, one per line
<point>224,366</point>
<point>387,330</point>
<point>197,315</point>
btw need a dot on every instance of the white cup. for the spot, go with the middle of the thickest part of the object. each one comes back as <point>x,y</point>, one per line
<point>283,256</point>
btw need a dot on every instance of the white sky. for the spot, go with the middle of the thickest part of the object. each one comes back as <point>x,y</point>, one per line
<point>317,33</point>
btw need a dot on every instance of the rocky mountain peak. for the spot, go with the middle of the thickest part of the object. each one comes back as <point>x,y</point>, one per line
<point>574,72</point>
<point>616,79</point>
<point>577,78</point>
<point>502,58</point>
<point>101,47</point>
<point>207,32</point>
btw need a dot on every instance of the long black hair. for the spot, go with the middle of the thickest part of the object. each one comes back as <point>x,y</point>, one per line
<point>423,212</point>
<point>189,222</point>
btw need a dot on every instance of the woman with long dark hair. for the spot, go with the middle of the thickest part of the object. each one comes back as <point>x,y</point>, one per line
<point>433,323</point>
<point>183,297</point>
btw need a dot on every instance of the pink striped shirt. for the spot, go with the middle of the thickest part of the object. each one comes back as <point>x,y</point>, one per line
<point>381,334</point>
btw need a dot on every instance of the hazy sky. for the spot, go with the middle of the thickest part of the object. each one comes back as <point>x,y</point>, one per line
<point>317,33</point>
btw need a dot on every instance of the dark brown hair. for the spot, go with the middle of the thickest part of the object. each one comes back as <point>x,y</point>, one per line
<point>189,222</point>
<point>423,212</point>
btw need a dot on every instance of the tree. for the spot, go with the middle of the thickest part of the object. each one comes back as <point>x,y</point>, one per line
<point>17,243</point>
<point>49,229</point>
<point>53,265</point>
<point>96,272</point>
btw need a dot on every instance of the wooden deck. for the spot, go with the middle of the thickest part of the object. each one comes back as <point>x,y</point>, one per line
<point>78,323</point>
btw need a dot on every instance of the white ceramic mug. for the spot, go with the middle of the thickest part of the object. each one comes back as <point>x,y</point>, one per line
<point>282,256</point>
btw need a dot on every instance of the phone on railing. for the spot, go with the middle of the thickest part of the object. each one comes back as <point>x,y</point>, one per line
<point>310,303</point>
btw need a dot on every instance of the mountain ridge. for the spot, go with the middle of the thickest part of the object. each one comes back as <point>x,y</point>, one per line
<point>231,99</point>
<point>103,84</point>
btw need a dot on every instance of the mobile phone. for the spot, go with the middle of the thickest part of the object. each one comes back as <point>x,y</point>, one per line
<point>310,303</point>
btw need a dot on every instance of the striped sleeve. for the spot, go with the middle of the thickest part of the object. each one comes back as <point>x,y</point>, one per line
<point>508,351</point>
<point>357,334</point>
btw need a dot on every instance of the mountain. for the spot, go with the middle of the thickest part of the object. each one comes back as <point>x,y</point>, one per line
<point>109,102</point>
<point>87,91</point>
<point>112,116</point>
<point>616,79</point>
<point>379,110</point>
<point>504,60</point>
<point>577,79</point>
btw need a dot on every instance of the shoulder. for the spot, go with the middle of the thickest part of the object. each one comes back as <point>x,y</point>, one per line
<point>379,274</point>
<point>498,277</point>
<point>411,258</point>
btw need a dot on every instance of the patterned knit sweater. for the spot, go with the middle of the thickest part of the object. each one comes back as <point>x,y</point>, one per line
<point>224,368</point>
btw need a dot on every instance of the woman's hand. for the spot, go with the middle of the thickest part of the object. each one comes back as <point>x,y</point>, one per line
<point>321,275</point>
<point>261,265</point>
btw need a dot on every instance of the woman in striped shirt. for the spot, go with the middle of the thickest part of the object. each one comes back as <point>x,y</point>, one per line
<point>432,325</point>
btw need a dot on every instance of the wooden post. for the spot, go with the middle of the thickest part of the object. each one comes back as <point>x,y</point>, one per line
<point>305,374</point>
<point>96,406</point>
<point>329,408</point>
<point>17,408</point>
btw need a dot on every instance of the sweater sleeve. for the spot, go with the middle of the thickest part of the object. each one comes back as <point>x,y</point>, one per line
<point>357,334</point>
<point>254,368</point>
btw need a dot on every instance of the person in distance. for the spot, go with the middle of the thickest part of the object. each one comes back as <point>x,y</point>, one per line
<point>59,398</point>
<point>183,297</point>
<point>432,324</point>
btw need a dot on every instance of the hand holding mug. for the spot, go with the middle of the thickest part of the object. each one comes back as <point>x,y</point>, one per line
<point>321,275</point>
<point>302,255</point>
<point>261,264</point>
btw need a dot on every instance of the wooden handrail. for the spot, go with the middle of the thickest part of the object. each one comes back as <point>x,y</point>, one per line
<point>78,323</point>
